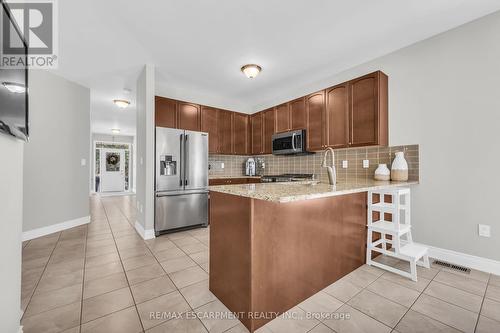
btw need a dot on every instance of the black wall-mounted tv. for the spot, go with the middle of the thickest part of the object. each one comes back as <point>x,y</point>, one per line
<point>13,81</point>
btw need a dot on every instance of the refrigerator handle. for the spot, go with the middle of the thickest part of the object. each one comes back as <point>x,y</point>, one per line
<point>181,169</point>
<point>186,159</point>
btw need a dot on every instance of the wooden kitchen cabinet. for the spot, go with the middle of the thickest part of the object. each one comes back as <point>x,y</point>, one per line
<point>209,125</point>
<point>225,130</point>
<point>256,121</point>
<point>165,112</point>
<point>368,117</point>
<point>315,109</point>
<point>298,116</point>
<point>188,116</point>
<point>240,133</point>
<point>269,119</point>
<point>337,116</point>
<point>282,118</point>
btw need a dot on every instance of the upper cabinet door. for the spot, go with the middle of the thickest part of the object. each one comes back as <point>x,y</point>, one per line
<point>298,117</point>
<point>368,110</point>
<point>240,133</point>
<point>225,130</point>
<point>315,108</point>
<point>189,116</point>
<point>165,112</point>
<point>209,125</point>
<point>269,129</point>
<point>256,121</point>
<point>337,116</point>
<point>282,118</point>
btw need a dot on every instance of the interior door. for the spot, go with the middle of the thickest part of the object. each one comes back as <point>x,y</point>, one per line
<point>112,170</point>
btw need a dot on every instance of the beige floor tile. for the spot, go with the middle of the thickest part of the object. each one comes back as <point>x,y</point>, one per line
<point>361,278</point>
<point>461,282</point>
<point>48,283</point>
<point>101,271</point>
<point>487,325</point>
<point>420,285</point>
<point>320,305</point>
<point>446,313</point>
<point>177,264</point>
<point>166,305</point>
<point>494,280</point>
<point>188,240</point>
<point>179,325</point>
<point>41,302</point>
<point>137,262</point>
<point>72,330</point>
<point>188,276</point>
<point>215,325</point>
<point>378,307</point>
<point>493,292</point>
<point>205,266</point>
<point>101,260</point>
<point>96,244</point>
<point>168,254</point>
<point>491,309</point>
<point>372,269</point>
<point>395,292</point>
<point>194,248</point>
<point>200,257</point>
<point>103,285</point>
<point>101,251</point>
<point>150,289</point>
<point>104,304</point>
<point>427,273</point>
<point>414,322</point>
<point>124,321</point>
<point>294,320</point>
<point>350,320</point>
<point>342,289</point>
<point>145,273</point>
<point>178,235</point>
<point>99,236</point>
<point>56,320</point>
<point>454,296</point>
<point>132,252</point>
<point>473,274</point>
<point>198,294</point>
<point>321,328</point>
<point>67,267</point>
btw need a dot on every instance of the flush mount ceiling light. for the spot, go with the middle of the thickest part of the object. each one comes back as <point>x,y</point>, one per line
<point>251,70</point>
<point>121,103</point>
<point>15,88</point>
<point>115,130</point>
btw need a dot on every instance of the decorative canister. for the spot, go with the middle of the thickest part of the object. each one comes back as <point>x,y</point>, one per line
<point>399,169</point>
<point>382,172</point>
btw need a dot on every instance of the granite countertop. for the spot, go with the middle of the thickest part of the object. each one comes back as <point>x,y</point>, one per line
<point>307,190</point>
<point>226,177</point>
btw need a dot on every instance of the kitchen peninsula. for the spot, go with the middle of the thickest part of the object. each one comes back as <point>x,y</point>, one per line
<point>274,245</point>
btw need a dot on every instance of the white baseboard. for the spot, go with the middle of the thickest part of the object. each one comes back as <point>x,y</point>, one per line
<point>145,234</point>
<point>463,259</point>
<point>39,232</point>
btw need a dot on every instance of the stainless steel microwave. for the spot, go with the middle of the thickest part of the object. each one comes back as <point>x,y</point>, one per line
<point>289,143</point>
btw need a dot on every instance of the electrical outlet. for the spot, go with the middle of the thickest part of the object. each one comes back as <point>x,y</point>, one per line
<point>222,165</point>
<point>345,164</point>
<point>484,230</point>
<point>83,162</point>
<point>366,164</point>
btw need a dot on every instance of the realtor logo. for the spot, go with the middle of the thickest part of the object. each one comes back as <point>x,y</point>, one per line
<point>36,21</point>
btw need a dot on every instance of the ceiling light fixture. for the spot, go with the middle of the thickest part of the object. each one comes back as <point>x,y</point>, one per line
<point>121,103</point>
<point>16,88</point>
<point>251,70</point>
<point>115,130</point>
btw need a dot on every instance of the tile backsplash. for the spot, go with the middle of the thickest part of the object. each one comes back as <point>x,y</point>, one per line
<point>234,165</point>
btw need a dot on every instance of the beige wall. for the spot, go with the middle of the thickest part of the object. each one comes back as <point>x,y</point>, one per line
<point>444,96</point>
<point>11,222</point>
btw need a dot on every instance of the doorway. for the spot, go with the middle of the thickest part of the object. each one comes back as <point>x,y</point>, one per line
<point>112,167</point>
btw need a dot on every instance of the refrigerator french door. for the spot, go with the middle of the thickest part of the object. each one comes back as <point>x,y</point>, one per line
<point>181,185</point>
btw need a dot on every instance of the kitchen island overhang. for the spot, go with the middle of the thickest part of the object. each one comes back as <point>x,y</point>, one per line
<point>274,245</point>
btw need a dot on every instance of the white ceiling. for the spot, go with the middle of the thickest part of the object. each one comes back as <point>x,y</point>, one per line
<point>199,46</point>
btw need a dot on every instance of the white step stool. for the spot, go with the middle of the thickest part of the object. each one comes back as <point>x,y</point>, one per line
<point>393,203</point>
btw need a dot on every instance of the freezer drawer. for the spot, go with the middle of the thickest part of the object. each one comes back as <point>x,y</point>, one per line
<point>180,211</point>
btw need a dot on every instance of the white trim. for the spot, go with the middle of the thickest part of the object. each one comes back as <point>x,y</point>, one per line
<point>20,329</point>
<point>39,232</point>
<point>467,260</point>
<point>145,234</point>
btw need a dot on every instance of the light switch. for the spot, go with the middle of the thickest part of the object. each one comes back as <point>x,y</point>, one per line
<point>366,164</point>
<point>345,164</point>
<point>83,162</point>
<point>484,230</point>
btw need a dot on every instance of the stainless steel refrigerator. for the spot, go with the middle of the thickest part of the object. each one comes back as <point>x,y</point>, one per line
<point>181,185</point>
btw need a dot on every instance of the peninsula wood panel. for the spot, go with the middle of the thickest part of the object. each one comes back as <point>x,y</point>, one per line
<point>165,112</point>
<point>188,116</point>
<point>269,117</point>
<point>241,127</point>
<point>283,271</point>
<point>298,116</point>
<point>209,125</point>
<point>337,116</point>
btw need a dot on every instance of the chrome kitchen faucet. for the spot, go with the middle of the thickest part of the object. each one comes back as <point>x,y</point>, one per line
<point>332,174</point>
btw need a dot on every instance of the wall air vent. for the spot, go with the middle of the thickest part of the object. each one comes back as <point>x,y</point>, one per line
<point>452,266</point>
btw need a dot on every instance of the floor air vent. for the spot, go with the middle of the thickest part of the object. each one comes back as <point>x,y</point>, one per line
<point>452,266</point>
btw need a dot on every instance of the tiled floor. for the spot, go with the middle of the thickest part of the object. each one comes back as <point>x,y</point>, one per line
<point>104,278</point>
